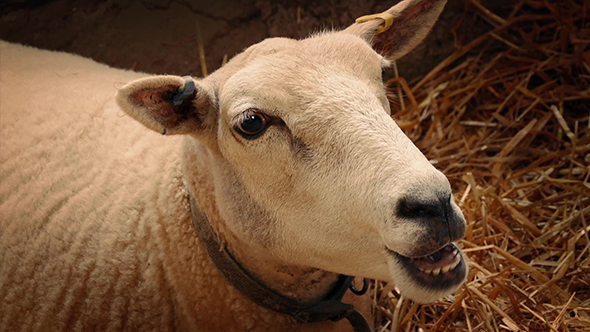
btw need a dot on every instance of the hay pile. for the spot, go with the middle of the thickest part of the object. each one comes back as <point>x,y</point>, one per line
<point>506,118</point>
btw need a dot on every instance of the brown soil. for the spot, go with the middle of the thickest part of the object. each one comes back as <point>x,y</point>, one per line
<point>160,36</point>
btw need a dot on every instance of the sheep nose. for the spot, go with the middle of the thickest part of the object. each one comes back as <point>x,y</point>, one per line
<point>438,214</point>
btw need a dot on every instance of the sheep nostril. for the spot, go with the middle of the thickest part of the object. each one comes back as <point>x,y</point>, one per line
<point>411,207</point>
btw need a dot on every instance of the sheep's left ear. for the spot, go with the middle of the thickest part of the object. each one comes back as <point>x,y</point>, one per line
<point>398,30</point>
<point>170,105</point>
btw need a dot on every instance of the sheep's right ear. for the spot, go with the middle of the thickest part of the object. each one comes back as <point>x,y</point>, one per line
<point>170,104</point>
<point>398,30</point>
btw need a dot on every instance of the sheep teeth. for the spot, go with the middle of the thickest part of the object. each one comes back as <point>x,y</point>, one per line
<point>445,269</point>
<point>454,263</point>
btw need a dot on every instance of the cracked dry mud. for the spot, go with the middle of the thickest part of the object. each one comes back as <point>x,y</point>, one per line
<point>160,36</point>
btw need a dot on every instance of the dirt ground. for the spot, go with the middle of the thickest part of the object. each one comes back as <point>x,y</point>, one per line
<point>160,36</point>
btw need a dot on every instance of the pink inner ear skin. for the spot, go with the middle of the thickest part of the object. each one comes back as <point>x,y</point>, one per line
<point>408,29</point>
<point>157,102</point>
<point>153,96</point>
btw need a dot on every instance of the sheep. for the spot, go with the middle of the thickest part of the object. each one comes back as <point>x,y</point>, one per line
<point>288,153</point>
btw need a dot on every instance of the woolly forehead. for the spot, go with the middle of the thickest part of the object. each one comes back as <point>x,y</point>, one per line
<point>280,83</point>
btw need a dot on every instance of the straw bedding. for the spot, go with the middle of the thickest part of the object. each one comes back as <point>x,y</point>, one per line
<point>506,118</point>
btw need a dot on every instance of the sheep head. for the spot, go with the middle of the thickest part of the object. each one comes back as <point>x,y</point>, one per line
<point>306,162</point>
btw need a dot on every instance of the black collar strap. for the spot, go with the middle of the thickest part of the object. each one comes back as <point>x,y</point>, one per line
<point>328,309</point>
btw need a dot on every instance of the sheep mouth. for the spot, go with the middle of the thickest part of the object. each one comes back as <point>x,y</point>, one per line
<point>442,269</point>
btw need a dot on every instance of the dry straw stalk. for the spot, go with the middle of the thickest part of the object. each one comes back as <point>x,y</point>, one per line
<point>506,118</point>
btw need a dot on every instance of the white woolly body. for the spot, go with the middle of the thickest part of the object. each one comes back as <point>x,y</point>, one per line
<point>95,223</point>
<point>90,202</point>
<point>95,229</point>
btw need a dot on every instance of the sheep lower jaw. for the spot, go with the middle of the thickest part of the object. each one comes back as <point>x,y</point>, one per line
<point>441,272</point>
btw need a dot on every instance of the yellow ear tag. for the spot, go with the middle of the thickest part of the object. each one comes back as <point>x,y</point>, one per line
<point>388,18</point>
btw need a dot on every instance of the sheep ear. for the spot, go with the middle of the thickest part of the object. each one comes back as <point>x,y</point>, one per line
<point>169,104</point>
<point>412,19</point>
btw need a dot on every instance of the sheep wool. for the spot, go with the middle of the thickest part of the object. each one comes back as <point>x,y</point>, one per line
<point>95,227</point>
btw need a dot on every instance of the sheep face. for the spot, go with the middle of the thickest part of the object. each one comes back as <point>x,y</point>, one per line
<point>307,164</point>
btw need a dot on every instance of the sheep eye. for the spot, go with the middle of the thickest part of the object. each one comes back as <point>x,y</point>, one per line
<point>252,124</point>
